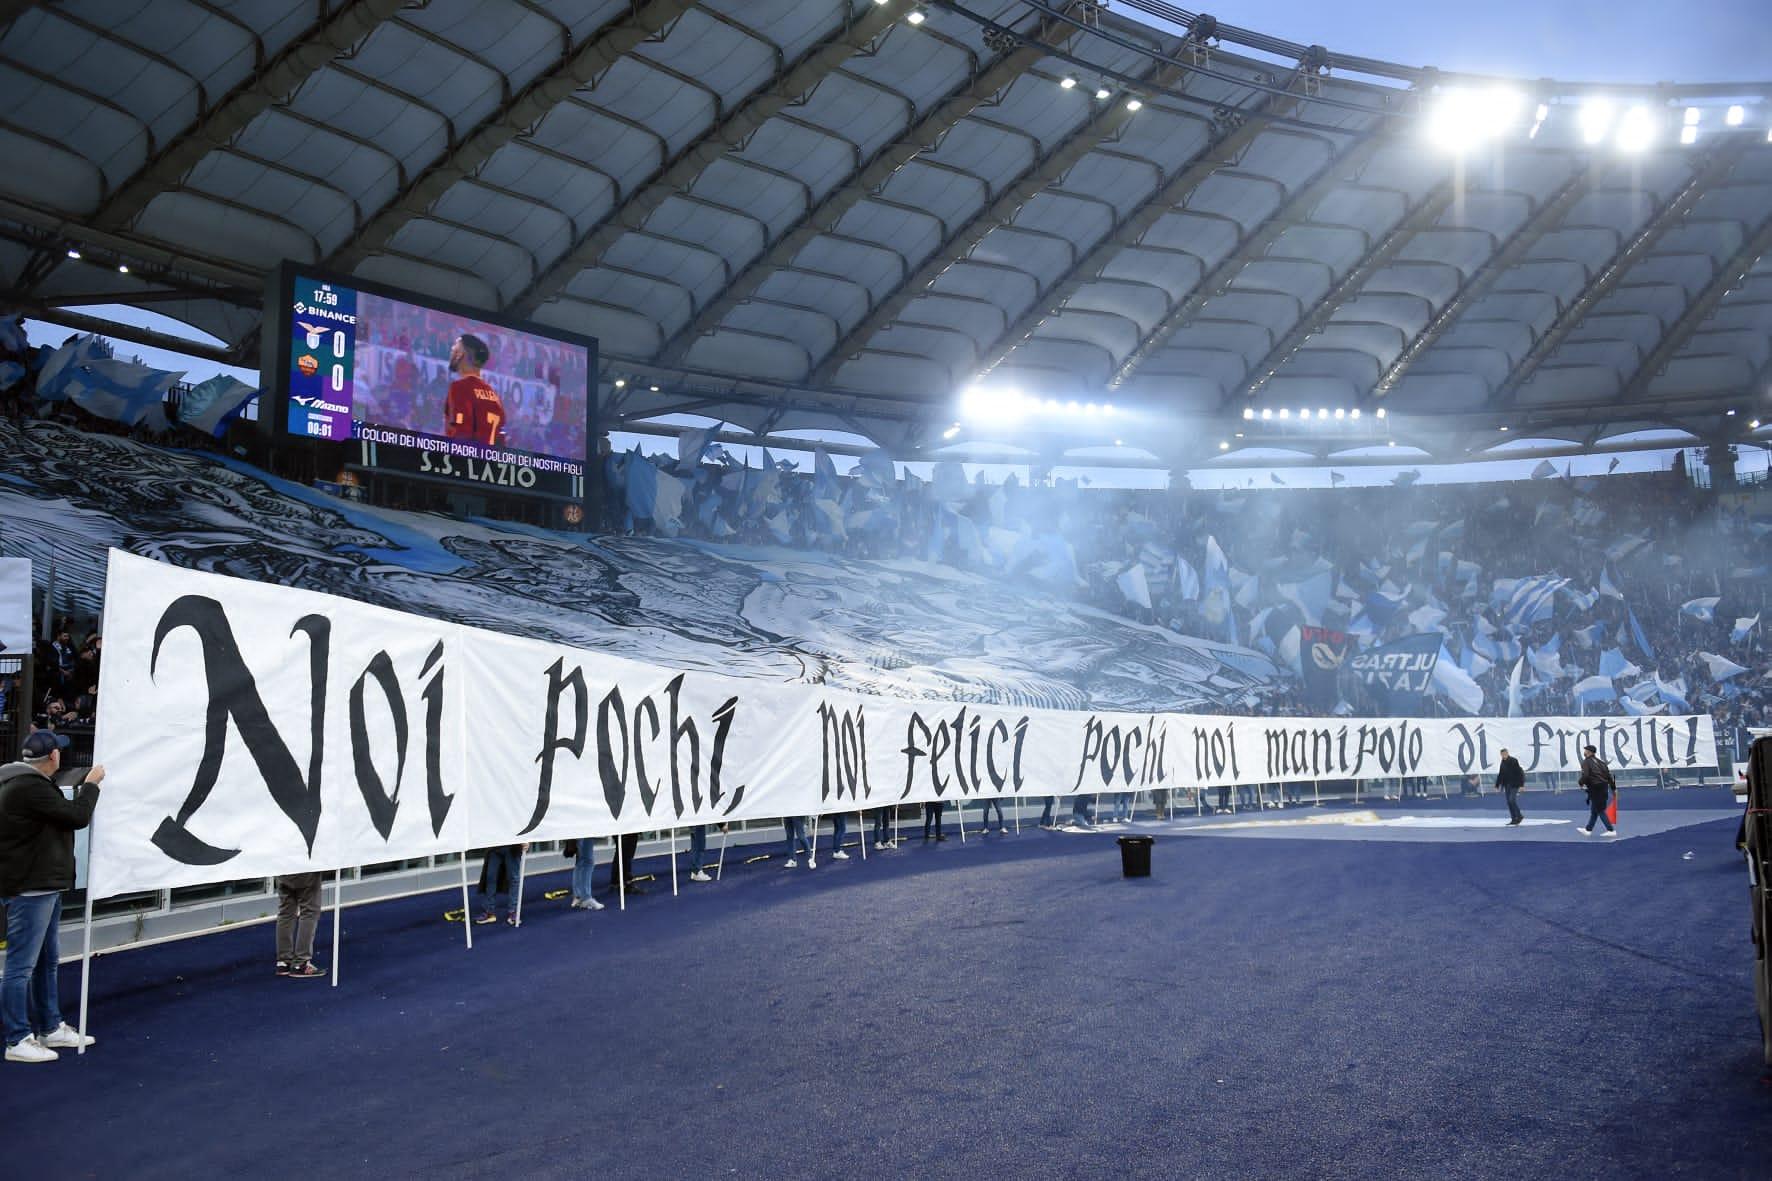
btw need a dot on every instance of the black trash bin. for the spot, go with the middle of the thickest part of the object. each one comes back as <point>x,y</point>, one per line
<point>1135,856</point>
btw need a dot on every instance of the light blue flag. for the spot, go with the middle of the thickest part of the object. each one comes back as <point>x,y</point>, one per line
<point>1614,665</point>
<point>121,391</point>
<point>1592,690</point>
<point>876,468</point>
<point>693,444</point>
<point>209,405</point>
<point>11,373</point>
<point>1608,587</point>
<point>1674,693</point>
<point>1744,626</point>
<point>1637,636</point>
<point>826,485</point>
<point>1703,610</point>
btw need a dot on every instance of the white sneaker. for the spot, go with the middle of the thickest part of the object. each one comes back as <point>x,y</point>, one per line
<point>1612,832</point>
<point>1586,832</point>
<point>66,1037</point>
<point>839,855</point>
<point>30,1050</point>
<point>792,863</point>
<point>700,875</point>
<point>592,904</point>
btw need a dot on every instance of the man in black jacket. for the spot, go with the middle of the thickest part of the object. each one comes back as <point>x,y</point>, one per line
<point>1596,777</point>
<point>1510,778</point>
<point>37,826</point>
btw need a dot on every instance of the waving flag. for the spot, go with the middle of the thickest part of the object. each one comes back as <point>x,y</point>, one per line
<point>1187,583</point>
<point>1674,693</point>
<point>1721,667</point>
<point>693,444</point>
<point>1743,626</point>
<point>1456,685</point>
<point>1533,600</point>
<point>121,391</point>
<point>1703,610</point>
<point>1608,587</point>
<point>877,469</point>
<point>1591,690</point>
<point>208,406</point>
<point>1513,688</point>
<point>1638,709</point>
<point>1613,664</point>
<point>1544,471</point>
<point>1133,586</point>
<point>1637,636</point>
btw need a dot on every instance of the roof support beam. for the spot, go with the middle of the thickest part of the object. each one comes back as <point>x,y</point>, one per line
<point>81,322</point>
<point>724,136</point>
<point>1728,276</point>
<point>924,136</point>
<point>1705,177</point>
<point>1547,217</point>
<point>578,67</point>
<point>277,82</point>
<point>1226,146</point>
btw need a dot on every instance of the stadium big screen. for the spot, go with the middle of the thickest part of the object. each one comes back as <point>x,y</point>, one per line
<point>427,390</point>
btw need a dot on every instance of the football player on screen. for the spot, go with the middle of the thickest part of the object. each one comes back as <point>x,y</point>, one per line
<point>473,409</point>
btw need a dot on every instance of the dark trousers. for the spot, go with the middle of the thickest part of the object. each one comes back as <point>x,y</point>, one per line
<point>628,843</point>
<point>298,916</point>
<point>1046,813</point>
<point>932,818</point>
<point>1596,810</point>
<point>1513,804</point>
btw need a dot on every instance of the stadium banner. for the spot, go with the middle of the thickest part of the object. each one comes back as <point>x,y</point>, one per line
<point>250,729</point>
<point>15,606</point>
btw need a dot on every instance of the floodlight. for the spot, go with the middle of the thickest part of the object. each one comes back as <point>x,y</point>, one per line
<point>1390,442</point>
<point>1381,412</point>
<point>1729,413</point>
<point>951,431</point>
<point>1596,119</point>
<point>1692,114</point>
<point>918,15</point>
<point>1133,104</point>
<point>621,383</point>
<point>1322,413</point>
<point>1636,130</point>
<point>1248,413</point>
<point>1089,408</point>
<point>1465,119</point>
<point>1688,135</point>
<point>74,254</point>
<point>1304,415</point>
<point>1503,428</point>
<point>1285,413</point>
<point>1102,94</point>
<point>1107,408</point>
<point>1067,83</point>
<point>1734,116</point>
<point>122,268</point>
<point>1224,445</point>
<point>1267,414</point>
<point>1119,442</point>
<point>1754,425</point>
<point>654,389</point>
<point>1354,414</point>
<point>1071,406</point>
<point>1340,413</point>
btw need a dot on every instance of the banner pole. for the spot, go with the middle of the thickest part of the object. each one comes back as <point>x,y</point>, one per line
<point>1017,815</point>
<point>338,902</point>
<point>467,917</point>
<point>86,951</point>
<point>897,824</point>
<point>522,868</point>
<point>721,867</point>
<point>673,863</point>
<point>621,877</point>
<point>1317,787</point>
<point>812,845</point>
<point>960,810</point>
<point>861,826</point>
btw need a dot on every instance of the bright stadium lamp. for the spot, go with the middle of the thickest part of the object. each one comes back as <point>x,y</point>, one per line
<point>1734,115</point>
<point>1224,445</point>
<point>1688,135</point>
<point>1133,104</point>
<point>1340,413</point>
<point>1322,413</point>
<point>1381,412</point>
<point>1248,413</point>
<point>1285,414</point>
<point>1463,120</point>
<point>1267,414</point>
<point>1692,116</point>
<point>1102,94</point>
<point>1354,414</point>
<point>1596,120</point>
<point>1636,131</point>
<point>918,15</point>
<point>951,431</point>
<point>1067,83</point>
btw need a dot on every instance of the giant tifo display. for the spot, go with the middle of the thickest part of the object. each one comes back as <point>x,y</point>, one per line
<point>427,390</point>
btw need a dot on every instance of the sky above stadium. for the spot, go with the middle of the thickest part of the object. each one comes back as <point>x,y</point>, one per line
<point>1570,40</point>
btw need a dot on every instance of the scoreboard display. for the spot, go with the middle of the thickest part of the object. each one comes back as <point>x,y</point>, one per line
<point>421,388</point>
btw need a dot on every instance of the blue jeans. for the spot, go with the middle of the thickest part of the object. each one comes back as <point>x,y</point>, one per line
<point>795,830</point>
<point>1080,810</point>
<point>698,848</point>
<point>882,825</point>
<point>582,867</point>
<point>839,830</point>
<point>493,900</point>
<point>985,806</point>
<point>1046,815</point>
<point>1123,805</point>
<point>28,998</point>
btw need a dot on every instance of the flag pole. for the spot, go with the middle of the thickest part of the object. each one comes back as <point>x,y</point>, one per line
<point>721,867</point>
<point>522,868</point>
<point>338,902</point>
<point>673,863</point>
<point>467,918</point>
<point>86,951</point>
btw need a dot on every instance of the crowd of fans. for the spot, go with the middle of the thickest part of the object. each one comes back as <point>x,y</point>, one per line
<point>1642,555</point>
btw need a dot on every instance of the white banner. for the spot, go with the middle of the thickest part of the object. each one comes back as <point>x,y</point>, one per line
<point>251,730</point>
<point>15,606</point>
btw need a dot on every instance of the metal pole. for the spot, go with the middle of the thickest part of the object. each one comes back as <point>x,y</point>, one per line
<point>721,867</point>
<point>621,877</point>
<point>338,902</point>
<point>812,845</point>
<point>86,952</point>
<point>862,828</point>
<point>673,863</point>
<point>522,868</point>
<point>467,916</point>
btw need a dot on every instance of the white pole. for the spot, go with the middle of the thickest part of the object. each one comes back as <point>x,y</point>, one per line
<point>338,902</point>
<point>621,876</point>
<point>960,809</point>
<point>812,845</point>
<point>1017,815</point>
<point>86,953</point>
<point>861,826</point>
<point>1317,787</point>
<point>467,916</point>
<point>673,863</point>
<point>721,868</point>
<point>522,867</point>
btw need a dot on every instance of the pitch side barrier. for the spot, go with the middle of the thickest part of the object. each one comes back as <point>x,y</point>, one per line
<point>251,730</point>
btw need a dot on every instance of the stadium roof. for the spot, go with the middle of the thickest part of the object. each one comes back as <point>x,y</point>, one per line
<point>817,214</point>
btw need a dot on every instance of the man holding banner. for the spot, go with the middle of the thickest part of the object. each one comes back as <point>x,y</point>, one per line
<point>37,825</point>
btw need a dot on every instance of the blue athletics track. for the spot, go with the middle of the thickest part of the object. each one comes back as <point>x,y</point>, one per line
<point>1437,997</point>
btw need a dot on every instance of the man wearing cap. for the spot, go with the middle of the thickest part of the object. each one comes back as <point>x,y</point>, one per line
<point>1596,777</point>
<point>37,825</point>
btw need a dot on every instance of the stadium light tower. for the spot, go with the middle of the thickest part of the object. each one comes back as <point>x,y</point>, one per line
<point>1463,120</point>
